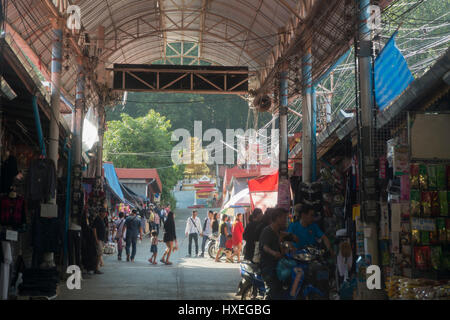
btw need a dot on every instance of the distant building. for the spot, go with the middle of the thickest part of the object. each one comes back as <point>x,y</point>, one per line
<point>144,182</point>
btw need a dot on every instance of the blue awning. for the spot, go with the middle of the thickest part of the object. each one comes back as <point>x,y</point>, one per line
<point>392,75</point>
<point>113,181</point>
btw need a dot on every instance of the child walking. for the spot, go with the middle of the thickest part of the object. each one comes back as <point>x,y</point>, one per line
<point>229,248</point>
<point>154,247</point>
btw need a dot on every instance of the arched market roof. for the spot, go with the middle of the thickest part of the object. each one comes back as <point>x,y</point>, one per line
<point>224,32</point>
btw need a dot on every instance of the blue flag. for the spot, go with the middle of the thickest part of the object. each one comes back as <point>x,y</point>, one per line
<point>392,75</point>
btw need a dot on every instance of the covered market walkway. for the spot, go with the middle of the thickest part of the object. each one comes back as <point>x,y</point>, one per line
<point>62,58</point>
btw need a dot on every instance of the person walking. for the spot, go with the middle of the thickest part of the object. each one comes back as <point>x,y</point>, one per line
<point>99,229</point>
<point>215,224</point>
<point>120,223</point>
<point>207,231</point>
<point>133,228</point>
<point>169,238</point>
<point>223,237</point>
<point>154,247</point>
<point>156,221</point>
<point>238,230</point>
<point>193,230</point>
<point>249,234</point>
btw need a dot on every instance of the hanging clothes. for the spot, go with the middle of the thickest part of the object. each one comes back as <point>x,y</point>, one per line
<point>41,180</point>
<point>8,172</point>
<point>12,212</point>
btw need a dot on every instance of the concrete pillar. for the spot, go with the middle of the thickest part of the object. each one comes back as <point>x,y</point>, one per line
<point>306,112</point>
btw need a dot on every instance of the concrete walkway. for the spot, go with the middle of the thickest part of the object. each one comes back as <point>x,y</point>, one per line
<point>187,278</point>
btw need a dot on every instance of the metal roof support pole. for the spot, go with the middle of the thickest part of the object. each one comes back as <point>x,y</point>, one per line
<point>53,150</point>
<point>368,198</point>
<point>313,135</point>
<point>283,184</point>
<point>75,220</point>
<point>306,112</point>
<point>56,67</point>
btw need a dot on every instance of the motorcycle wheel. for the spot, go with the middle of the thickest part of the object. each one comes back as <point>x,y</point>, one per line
<point>212,250</point>
<point>247,293</point>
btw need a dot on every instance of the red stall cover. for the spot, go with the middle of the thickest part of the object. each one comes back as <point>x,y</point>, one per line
<point>264,192</point>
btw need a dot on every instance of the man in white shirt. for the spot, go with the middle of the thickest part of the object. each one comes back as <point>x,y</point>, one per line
<point>207,230</point>
<point>193,229</point>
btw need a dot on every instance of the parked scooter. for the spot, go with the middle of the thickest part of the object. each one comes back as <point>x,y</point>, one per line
<point>213,246</point>
<point>305,275</point>
<point>251,286</point>
<point>308,279</point>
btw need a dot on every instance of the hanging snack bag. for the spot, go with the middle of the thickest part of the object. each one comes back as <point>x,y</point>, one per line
<point>440,226</point>
<point>423,177</point>
<point>422,257</point>
<point>434,237</point>
<point>443,203</point>
<point>426,203</point>
<point>415,202</point>
<point>436,253</point>
<point>441,177</point>
<point>448,176</point>
<point>414,175</point>
<point>425,237</point>
<point>415,236</point>
<point>447,227</point>
<point>435,205</point>
<point>432,177</point>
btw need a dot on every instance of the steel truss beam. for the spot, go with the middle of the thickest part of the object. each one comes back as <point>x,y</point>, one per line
<point>181,79</point>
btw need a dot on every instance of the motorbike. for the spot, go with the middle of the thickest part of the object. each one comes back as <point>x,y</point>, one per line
<point>304,273</point>
<point>309,278</point>
<point>213,246</point>
<point>251,286</point>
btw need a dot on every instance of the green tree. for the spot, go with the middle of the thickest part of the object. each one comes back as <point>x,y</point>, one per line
<point>143,142</point>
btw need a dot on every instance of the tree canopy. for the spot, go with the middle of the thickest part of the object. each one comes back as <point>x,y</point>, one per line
<point>143,142</point>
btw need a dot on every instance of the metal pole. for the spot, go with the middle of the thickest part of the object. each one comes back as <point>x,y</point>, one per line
<point>306,120</point>
<point>284,195</point>
<point>101,132</point>
<point>313,135</point>
<point>56,67</point>
<point>283,147</point>
<point>366,161</point>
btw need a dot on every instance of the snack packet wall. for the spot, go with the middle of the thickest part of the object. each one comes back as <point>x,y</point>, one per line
<point>435,205</point>
<point>441,177</point>
<point>423,177</point>
<point>414,176</point>
<point>415,197</point>
<point>443,203</point>
<point>432,177</point>
<point>426,203</point>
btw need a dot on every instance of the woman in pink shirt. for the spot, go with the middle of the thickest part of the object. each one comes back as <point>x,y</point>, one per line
<point>238,230</point>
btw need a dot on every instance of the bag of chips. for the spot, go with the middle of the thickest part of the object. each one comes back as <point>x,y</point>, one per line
<point>435,205</point>
<point>423,177</point>
<point>415,236</point>
<point>432,177</point>
<point>447,227</point>
<point>425,237</point>
<point>414,175</point>
<point>440,227</point>
<point>415,202</point>
<point>441,177</point>
<point>422,258</point>
<point>426,203</point>
<point>443,203</point>
<point>436,253</point>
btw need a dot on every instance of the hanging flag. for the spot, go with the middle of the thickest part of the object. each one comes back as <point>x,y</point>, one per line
<point>392,75</point>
